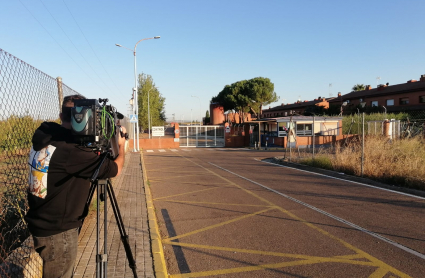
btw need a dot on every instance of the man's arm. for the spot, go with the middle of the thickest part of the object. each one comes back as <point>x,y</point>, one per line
<point>121,152</point>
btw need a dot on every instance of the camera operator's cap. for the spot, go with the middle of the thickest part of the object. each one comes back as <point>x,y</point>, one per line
<point>70,99</point>
<point>68,104</point>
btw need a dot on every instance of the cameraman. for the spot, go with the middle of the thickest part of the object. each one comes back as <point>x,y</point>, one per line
<point>58,189</point>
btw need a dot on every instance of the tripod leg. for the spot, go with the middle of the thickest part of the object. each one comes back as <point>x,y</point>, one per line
<point>105,230</point>
<point>98,256</point>
<point>101,258</point>
<point>124,236</point>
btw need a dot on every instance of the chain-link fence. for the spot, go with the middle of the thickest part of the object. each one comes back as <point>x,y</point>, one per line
<point>28,97</point>
<point>378,146</point>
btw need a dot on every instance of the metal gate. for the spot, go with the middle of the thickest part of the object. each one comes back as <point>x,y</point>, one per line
<point>201,136</point>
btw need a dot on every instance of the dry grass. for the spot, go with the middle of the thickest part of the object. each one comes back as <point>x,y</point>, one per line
<point>400,162</point>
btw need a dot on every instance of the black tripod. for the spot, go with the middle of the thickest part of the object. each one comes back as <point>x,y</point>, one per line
<point>104,187</point>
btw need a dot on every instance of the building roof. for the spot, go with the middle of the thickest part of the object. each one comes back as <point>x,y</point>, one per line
<point>385,90</point>
<point>307,118</point>
<point>295,119</point>
<point>295,105</point>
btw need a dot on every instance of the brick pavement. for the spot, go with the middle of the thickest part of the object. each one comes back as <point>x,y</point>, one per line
<point>131,199</point>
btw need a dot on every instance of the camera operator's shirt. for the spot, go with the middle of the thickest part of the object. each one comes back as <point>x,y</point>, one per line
<point>59,180</point>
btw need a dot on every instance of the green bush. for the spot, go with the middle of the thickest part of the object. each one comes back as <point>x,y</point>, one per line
<point>352,124</point>
<point>323,162</point>
<point>17,132</point>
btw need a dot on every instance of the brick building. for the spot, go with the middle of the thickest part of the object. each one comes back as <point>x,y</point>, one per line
<point>297,108</point>
<point>409,96</point>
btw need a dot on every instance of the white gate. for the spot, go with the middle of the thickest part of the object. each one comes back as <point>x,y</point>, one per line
<point>201,136</point>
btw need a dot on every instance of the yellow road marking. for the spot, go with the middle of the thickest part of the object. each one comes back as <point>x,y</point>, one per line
<point>350,257</point>
<point>379,273</point>
<point>221,204</point>
<point>162,170</point>
<point>339,259</point>
<point>170,196</point>
<point>174,177</point>
<point>245,269</point>
<point>220,224</point>
<point>382,270</point>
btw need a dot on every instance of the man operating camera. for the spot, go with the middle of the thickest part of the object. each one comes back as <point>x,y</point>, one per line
<point>58,189</point>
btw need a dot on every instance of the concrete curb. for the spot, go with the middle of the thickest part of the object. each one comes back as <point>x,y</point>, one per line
<point>160,268</point>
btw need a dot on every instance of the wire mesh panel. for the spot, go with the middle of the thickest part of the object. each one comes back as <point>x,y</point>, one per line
<point>377,128</point>
<point>27,98</point>
<point>201,136</point>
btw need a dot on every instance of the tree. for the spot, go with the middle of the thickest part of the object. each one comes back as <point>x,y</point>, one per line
<point>247,96</point>
<point>156,102</point>
<point>314,110</point>
<point>207,117</point>
<point>261,92</point>
<point>359,87</point>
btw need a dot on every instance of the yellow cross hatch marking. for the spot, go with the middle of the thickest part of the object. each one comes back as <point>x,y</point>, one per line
<point>219,224</point>
<point>186,193</point>
<point>354,259</point>
<point>221,204</point>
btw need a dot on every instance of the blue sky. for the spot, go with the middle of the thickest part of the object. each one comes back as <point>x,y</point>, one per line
<point>302,46</point>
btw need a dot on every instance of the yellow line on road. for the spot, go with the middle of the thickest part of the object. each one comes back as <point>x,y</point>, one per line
<point>220,224</point>
<point>376,262</point>
<point>162,170</point>
<point>336,259</point>
<point>186,193</point>
<point>221,204</point>
<point>379,273</point>
<point>350,257</point>
<point>160,267</point>
<point>176,177</point>
<point>246,269</point>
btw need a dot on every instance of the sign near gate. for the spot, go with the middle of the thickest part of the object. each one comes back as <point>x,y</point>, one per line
<point>157,131</point>
<point>133,118</point>
<point>227,129</point>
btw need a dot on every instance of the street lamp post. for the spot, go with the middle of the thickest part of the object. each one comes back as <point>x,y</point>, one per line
<point>135,85</point>
<point>200,120</point>
<point>149,114</point>
<point>134,127</point>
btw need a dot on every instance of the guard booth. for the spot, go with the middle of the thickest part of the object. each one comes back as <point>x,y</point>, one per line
<point>294,131</point>
<point>207,136</point>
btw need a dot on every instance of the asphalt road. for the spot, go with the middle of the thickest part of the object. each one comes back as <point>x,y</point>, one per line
<point>226,213</point>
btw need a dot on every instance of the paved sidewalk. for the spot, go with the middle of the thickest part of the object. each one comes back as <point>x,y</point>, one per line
<point>131,199</point>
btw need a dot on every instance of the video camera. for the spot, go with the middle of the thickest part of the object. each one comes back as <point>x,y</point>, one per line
<point>96,125</point>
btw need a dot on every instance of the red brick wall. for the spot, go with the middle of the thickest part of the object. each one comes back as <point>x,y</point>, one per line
<point>234,141</point>
<point>321,140</point>
<point>156,143</point>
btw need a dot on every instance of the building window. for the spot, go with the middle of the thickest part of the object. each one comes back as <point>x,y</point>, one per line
<point>282,129</point>
<point>374,103</point>
<point>422,99</point>
<point>404,100</point>
<point>390,102</point>
<point>304,129</point>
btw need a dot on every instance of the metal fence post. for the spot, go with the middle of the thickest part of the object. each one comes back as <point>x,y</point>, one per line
<point>60,92</point>
<point>314,137</point>
<point>362,166</point>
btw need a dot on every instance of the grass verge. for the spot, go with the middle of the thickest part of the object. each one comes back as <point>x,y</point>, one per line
<point>396,162</point>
